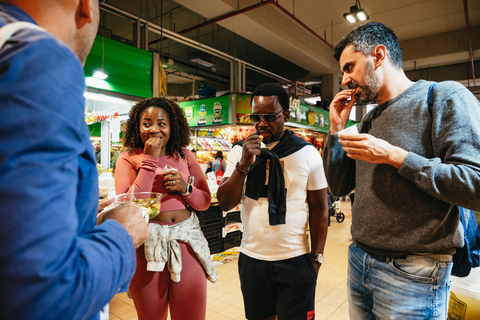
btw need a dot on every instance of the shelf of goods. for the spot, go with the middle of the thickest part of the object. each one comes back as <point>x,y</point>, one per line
<point>212,144</point>
<point>223,230</point>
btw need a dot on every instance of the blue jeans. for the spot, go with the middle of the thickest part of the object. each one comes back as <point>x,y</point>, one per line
<point>417,287</point>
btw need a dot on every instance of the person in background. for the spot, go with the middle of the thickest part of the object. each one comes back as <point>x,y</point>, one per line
<point>408,165</point>
<point>277,267</point>
<point>174,264</point>
<point>209,167</point>
<point>57,260</point>
<point>218,162</point>
<point>194,152</point>
<point>97,148</point>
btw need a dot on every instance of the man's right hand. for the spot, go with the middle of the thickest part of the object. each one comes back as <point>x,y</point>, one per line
<point>131,218</point>
<point>251,148</point>
<point>340,110</point>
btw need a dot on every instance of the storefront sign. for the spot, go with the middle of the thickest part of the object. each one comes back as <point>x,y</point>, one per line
<point>206,112</point>
<point>301,115</point>
<point>305,115</point>
<point>244,109</point>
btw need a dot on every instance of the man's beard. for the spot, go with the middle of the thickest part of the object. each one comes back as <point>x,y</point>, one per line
<point>369,90</point>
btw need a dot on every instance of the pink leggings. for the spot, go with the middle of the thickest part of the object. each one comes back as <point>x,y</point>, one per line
<point>152,292</point>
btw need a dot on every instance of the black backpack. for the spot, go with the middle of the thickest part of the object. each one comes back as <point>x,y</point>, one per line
<point>468,256</point>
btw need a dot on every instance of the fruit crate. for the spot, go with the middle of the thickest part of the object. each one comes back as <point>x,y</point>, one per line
<point>232,217</point>
<point>212,215</point>
<point>215,245</point>
<point>232,239</point>
<point>212,230</point>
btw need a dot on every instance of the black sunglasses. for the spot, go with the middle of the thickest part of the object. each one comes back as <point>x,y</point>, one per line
<point>268,117</point>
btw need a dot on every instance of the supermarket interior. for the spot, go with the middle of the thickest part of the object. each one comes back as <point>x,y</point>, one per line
<point>209,55</point>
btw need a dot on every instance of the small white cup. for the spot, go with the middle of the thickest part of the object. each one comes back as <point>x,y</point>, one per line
<point>350,130</point>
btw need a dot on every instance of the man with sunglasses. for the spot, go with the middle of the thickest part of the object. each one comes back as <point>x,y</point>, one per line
<point>412,160</point>
<point>57,260</point>
<point>279,179</point>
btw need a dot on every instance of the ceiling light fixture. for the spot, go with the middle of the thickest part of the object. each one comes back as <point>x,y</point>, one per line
<point>356,13</point>
<point>100,73</point>
<point>202,62</point>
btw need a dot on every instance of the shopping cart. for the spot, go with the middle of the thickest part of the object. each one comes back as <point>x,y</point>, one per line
<point>334,210</point>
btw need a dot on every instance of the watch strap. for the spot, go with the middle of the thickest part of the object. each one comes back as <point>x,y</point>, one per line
<point>189,191</point>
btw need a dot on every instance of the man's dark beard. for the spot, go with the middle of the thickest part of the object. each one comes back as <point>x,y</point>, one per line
<point>369,90</point>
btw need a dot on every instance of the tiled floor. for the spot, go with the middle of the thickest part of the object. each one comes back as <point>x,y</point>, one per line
<point>225,299</point>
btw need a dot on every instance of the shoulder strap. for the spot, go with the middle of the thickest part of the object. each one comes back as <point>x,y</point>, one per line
<point>430,96</point>
<point>462,219</point>
<point>7,31</point>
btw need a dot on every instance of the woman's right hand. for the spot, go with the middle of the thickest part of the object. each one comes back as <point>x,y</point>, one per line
<point>153,146</point>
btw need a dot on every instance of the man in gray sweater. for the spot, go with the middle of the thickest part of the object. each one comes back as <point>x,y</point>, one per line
<point>410,166</point>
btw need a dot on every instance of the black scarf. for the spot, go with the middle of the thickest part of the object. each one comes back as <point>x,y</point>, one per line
<point>275,190</point>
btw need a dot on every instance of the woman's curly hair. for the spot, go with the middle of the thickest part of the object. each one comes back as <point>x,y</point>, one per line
<point>179,130</point>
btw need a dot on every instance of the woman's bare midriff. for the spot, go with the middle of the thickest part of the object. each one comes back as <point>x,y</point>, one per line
<point>172,216</point>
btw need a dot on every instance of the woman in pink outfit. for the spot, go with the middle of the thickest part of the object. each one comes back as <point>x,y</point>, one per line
<point>174,264</point>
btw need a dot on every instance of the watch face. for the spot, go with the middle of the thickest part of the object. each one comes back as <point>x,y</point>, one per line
<point>320,258</point>
<point>317,257</point>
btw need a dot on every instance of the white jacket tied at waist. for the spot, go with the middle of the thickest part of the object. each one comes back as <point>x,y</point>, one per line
<point>163,248</point>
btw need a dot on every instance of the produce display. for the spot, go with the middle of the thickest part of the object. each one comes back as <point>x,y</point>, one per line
<point>224,144</point>
<point>211,140</point>
<point>205,145</point>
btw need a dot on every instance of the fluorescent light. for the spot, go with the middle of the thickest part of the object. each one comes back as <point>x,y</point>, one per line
<point>100,74</point>
<point>350,18</point>
<point>313,100</point>
<point>361,15</point>
<point>356,13</point>
<point>102,97</point>
<point>202,62</point>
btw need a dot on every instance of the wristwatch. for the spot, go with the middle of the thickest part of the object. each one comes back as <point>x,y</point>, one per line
<point>189,190</point>
<point>317,257</point>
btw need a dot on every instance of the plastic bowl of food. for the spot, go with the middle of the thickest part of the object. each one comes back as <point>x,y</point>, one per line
<point>149,202</point>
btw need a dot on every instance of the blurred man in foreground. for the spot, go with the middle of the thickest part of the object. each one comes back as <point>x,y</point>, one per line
<point>55,263</point>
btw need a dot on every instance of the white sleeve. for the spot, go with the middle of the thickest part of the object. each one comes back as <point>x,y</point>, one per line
<point>233,157</point>
<point>316,178</point>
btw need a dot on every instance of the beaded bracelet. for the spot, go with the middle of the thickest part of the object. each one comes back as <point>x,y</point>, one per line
<point>239,170</point>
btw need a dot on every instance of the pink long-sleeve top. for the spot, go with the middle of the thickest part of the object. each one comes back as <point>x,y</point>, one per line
<point>145,173</point>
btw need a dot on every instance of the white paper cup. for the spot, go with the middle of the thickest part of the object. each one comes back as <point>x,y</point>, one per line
<point>350,130</point>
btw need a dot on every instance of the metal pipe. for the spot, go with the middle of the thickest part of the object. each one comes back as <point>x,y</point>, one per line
<point>467,23</point>
<point>185,40</point>
<point>253,7</point>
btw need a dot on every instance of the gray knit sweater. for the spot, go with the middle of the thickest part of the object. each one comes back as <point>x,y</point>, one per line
<point>408,210</point>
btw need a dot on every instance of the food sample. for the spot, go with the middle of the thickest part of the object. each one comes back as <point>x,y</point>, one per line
<point>149,202</point>
<point>151,206</point>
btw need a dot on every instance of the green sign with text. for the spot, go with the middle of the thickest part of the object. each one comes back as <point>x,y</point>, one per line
<point>301,115</point>
<point>206,112</point>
